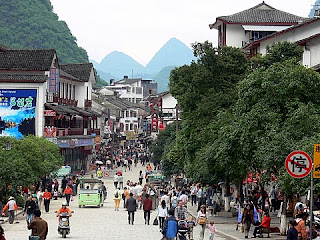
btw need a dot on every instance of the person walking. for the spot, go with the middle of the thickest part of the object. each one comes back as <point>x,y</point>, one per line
<point>116,198</point>
<point>201,197</point>
<point>40,198</point>
<point>273,196</point>
<point>38,226</point>
<point>247,219</point>
<point>180,211</point>
<point>147,207</point>
<point>29,208</point>
<point>46,198</point>
<point>115,180</point>
<point>212,230</point>
<point>68,193</point>
<point>193,191</point>
<point>162,213</point>
<point>99,173</point>
<point>120,180</point>
<point>140,177</point>
<point>131,208</point>
<point>170,226</point>
<point>202,220</point>
<point>12,208</point>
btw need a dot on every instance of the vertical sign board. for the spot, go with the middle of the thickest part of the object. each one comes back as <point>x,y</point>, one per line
<point>316,161</point>
<point>298,164</point>
<point>17,112</point>
<point>154,122</point>
<point>54,80</point>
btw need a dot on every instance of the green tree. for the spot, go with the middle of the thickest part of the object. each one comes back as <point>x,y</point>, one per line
<point>26,161</point>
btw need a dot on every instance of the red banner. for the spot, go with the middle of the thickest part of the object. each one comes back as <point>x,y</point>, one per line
<point>154,123</point>
<point>50,132</point>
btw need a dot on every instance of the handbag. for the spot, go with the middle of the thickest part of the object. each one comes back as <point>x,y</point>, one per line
<point>31,237</point>
<point>202,220</point>
<point>155,222</point>
<point>242,228</point>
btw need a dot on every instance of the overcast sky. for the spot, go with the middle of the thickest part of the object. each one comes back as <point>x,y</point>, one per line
<point>139,28</point>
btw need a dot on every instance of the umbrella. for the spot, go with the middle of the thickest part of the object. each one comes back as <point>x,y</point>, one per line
<point>98,162</point>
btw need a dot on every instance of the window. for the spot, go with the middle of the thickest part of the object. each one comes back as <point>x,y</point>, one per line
<point>133,90</point>
<point>150,91</point>
<point>134,114</point>
<point>128,89</point>
<point>127,113</point>
<point>138,100</point>
<point>139,90</point>
<point>131,113</point>
<point>122,114</point>
<point>127,127</point>
<point>131,126</point>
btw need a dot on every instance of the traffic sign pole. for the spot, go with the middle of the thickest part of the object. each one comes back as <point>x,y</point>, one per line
<point>311,204</point>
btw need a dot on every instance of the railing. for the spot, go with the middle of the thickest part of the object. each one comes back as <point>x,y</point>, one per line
<point>69,131</point>
<point>61,101</point>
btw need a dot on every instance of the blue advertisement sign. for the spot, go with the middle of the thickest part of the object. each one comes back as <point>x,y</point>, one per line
<point>17,112</point>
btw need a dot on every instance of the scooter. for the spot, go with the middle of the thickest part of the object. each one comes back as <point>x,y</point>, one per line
<point>64,224</point>
<point>183,230</point>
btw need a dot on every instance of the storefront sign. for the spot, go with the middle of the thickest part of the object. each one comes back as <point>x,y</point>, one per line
<point>75,142</point>
<point>49,113</point>
<point>154,122</point>
<point>17,112</point>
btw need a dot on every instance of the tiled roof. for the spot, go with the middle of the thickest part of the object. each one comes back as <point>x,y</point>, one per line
<point>38,60</point>
<point>23,78</point>
<point>128,80</point>
<point>121,103</point>
<point>262,13</point>
<point>67,75</point>
<point>81,71</point>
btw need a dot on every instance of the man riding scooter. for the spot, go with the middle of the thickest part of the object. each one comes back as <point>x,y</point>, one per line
<point>64,208</point>
<point>64,213</point>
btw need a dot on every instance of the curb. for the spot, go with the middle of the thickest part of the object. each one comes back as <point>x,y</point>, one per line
<point>220,233</point>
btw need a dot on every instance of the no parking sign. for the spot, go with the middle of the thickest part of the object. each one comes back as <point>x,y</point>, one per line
<point>106,174</point>
<point>298,164</point>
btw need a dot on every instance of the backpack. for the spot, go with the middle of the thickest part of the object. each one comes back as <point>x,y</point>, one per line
<point>116,195</point>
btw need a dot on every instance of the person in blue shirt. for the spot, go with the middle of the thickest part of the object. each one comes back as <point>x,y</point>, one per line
<point>170,226</point>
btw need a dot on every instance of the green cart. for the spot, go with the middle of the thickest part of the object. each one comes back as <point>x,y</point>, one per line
<point>91,192</point>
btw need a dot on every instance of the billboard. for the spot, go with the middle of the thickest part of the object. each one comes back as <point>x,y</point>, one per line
<point>17,112</point>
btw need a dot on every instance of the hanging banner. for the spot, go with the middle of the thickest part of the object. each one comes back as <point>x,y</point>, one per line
<point>54,80</point>
<point>154,122</point>
<point>316,161</point>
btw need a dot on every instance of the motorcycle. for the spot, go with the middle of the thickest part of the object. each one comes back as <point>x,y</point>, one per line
<point>64,224</point>
<point>183,230</point>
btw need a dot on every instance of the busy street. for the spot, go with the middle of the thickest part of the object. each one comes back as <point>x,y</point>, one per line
<point>93,222</point>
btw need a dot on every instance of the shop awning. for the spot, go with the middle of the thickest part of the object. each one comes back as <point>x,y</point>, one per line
<point>262,28</point>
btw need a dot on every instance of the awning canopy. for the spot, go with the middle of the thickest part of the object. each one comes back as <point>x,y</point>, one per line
<point>261,28</point>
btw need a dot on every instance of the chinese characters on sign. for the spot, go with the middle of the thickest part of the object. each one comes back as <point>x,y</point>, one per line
<point>316,161</point>
<point>54,80</point>
<point>17,112</point>
<point>154,122</point>
<point>298,164</point>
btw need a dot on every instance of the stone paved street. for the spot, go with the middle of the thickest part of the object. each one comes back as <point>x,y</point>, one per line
<point>95,223</point>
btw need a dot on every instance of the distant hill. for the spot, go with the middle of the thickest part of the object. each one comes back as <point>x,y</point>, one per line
<point>32,24</point>
<point>173,53</point>
<point>119,64</point>
<point>162,78</point>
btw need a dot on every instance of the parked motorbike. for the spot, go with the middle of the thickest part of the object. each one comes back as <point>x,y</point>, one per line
<point>183,230</point>
<point>64,224</point>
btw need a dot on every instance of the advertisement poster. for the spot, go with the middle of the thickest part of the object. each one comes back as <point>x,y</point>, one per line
<point>17,112</point>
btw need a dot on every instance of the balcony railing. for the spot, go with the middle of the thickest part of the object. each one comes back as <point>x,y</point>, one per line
<point>76,131</point>
<point>65,101</point>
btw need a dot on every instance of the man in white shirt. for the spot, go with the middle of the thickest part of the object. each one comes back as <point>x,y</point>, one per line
<point>166,198</point>
<point>184,198</point>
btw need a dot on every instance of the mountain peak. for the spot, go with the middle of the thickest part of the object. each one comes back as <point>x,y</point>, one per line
<point>173,53</point>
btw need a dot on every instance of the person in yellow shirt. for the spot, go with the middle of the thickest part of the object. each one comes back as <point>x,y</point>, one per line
<point>126,196</point>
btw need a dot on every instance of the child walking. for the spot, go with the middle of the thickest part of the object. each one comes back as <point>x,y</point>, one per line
<point>212,230</point>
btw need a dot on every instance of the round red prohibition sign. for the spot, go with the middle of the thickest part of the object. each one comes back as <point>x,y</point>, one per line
<point>106,174</point>
<point>298,164</point>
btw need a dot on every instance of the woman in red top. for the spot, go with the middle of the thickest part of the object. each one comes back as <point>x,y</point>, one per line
<point>46,196</point>
<point>68,193</point>
<point>265,224</point>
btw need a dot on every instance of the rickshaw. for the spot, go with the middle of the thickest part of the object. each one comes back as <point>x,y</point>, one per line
<point>156,178</point>
<point>91,192</point>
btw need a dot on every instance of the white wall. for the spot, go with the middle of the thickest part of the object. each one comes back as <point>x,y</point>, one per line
<point>235,34</point>
<point>41,100</point>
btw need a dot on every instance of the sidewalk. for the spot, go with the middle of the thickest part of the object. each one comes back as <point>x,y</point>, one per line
<point>226,226</point>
